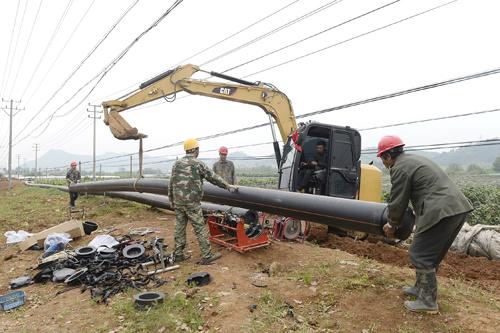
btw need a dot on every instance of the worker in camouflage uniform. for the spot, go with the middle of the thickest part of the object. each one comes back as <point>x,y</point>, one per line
<point>225,168</point>
<point>73,177</point>
<point>185,192</point>
<point>440,212</point>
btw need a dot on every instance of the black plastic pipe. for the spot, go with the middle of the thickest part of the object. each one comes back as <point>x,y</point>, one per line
<point>161,201</point>
<point>350,214</point>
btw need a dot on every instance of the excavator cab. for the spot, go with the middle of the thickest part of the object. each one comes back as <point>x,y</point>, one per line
<point>337,176</point>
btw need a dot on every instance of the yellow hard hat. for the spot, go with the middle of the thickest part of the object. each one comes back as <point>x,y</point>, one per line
<point>191,144</point>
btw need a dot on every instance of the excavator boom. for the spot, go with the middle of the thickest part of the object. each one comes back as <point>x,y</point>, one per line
<point>275,103</point>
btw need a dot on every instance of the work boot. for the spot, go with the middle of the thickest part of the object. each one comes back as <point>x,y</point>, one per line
<point>412,290</point>
<point>207,261</point>
<point>182,257</point>
<point>427,296</point>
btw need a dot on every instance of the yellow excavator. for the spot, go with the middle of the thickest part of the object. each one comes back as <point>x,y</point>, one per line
<point>344,175</point>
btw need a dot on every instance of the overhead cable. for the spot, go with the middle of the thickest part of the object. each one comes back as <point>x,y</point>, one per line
<point>208,48</point>
<point>10,45</point>
<point>236,33</point>
<point>15,47</point>
<point>21,61</point>
<point>310,36</point>
<point>47,46</point>
<point>429,119</point>
<point>60,52</point>
<point>281,27</point>
<point>349,39</point>
<point>362,129</point>
<point>105,71</point>
<point>58,90</point>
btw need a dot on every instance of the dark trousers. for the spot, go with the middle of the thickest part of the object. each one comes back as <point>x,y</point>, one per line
<point>429,247</point>
<point>304,177</point>
<point>72,197</point>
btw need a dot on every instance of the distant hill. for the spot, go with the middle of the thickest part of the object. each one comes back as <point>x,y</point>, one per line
<point>61,158</point>
<point>482,155</point>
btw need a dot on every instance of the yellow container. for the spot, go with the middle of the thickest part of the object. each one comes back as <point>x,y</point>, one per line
<point>370,188</point>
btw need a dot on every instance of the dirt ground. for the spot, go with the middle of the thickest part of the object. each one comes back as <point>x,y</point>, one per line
<point>455,265</point>
<point>342,285</point>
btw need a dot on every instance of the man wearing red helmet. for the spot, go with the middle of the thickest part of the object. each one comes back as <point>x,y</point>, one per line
<point>440,210</point>
<point>225,168</point>
<point>72,177</point>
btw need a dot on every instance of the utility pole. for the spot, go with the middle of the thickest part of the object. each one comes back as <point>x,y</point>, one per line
<point>95,117</point>
<point>10,115</point>
<point>100,171</point>
<point>36,147</point>
<point>18,170</point>
<point>130,166</point>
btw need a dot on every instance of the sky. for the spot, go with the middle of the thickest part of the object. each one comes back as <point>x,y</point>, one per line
<point>457,39</point>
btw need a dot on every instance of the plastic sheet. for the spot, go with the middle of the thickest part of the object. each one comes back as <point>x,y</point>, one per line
<point>103,241</point>
<point>16,237</point>
<point>479,240</point>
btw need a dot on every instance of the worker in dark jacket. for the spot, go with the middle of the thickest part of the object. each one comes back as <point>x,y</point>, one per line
<point>307,168</point>
<point>440,210</point>
<point>72,177</point>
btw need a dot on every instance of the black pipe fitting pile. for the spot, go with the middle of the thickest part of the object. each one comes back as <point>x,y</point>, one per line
<point>108,271</point>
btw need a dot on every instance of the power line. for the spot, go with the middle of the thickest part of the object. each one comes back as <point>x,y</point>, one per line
<point>26,47</point>
<point>207,48</point>
<point>447,145</point>
<point>436,146</point>
<point>363,129</point>
<point>60,52</point>
<point>310,36</point>
<point>281,27</point>
<point>15,46</point>
<point>10,44</point>
<point>98,44</point>
<point>403,92</point>
<point>74,127</point>
<point>236,33</point>
<point>429,119</point>
<point>52,37</point>
<point>365,151</point>
<point>350,39</point>
<point>163,156</point>
<point>345,106</point>
<point>105,71</point>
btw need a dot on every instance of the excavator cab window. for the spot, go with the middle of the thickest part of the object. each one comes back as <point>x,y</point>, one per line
<point>339,177</point>
<point>343,178</point>
<point>312,167</point>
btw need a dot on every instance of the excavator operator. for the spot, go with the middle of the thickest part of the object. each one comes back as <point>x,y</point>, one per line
<point>309,172</point>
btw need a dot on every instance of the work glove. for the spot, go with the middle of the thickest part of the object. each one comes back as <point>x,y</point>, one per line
<point>389,231</point>
<point>232,188</point>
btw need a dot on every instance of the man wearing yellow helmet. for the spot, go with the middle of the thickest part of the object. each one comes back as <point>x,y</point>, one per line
<point>185,192</point>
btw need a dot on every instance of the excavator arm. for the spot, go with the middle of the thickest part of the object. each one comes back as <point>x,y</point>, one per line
<point>275,103</point>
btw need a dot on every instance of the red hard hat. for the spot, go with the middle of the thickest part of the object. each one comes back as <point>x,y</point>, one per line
<point>73,163</point>
<point>223,150</point>
<point>388,142</point>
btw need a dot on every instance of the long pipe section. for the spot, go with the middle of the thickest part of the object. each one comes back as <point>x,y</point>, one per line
<point>161,201</point>
<point>336,212</point>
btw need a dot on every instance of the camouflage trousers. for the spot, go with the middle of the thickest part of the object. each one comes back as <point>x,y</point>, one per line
<point>195,215</point>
